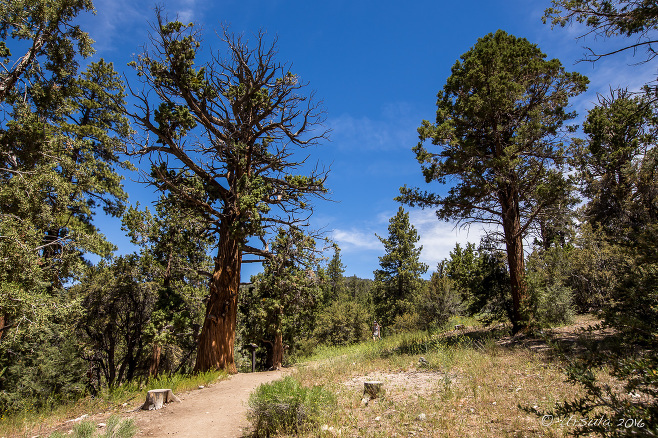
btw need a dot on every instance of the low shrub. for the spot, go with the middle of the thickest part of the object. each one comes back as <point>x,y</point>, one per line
<point>285,406</point>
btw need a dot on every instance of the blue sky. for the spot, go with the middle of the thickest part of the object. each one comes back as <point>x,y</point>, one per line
<point>377,66</point>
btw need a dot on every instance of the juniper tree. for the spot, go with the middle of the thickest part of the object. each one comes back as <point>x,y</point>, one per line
<point>238,122</point>
<point>285,295</point>
<point>498,140</point>
<point>61,132</point>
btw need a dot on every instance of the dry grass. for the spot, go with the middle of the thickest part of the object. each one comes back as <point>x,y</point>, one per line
<point>465,389</point>
<point>30,423</point>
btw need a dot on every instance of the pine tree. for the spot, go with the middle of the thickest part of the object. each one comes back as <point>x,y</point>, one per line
<point>399,277</point>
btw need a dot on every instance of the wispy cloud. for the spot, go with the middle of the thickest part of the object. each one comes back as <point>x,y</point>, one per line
<point>356,240</point>
<point>395,128</point>
<point>114,17</point>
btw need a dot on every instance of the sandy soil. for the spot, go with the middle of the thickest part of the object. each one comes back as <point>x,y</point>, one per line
<point>217,411</point>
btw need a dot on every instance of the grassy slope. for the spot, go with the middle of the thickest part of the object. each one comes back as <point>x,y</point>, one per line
<point>472,385</point>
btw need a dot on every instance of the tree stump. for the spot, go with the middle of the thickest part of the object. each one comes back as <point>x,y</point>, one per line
<point>371,390</point>
<point>156,398</point>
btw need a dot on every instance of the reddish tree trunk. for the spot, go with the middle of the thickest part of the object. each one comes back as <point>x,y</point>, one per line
<point>155,360</point>
<point>277,353</point>
<point>215,350</point>
<point>2,326</point>
<point>515,260</point>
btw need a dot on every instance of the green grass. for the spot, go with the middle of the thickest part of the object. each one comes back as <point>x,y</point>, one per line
<point>31,422</point>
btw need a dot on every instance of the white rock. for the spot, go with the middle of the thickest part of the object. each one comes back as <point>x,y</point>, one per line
<point>421,417</point>
<point>101,425</point>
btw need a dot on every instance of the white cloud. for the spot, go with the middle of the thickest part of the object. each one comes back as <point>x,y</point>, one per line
<point>438,238</point>
<point>356,240</point>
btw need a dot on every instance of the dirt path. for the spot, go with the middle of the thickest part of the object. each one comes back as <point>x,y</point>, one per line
<point>218,411</point>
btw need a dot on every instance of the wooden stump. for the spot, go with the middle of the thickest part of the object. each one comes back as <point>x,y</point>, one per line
<point>156,398</point>
<point>371,390</point>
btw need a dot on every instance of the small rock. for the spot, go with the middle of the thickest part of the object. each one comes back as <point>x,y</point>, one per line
<point>421,417</point>
<point>101,425</point>
<point>378,418</point>
<point>472,410</point>
<point>201,386</point>
<point>124,404</point>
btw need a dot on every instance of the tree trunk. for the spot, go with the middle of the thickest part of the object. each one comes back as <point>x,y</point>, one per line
<point>515,260</point>
<point>155,360</point>
<point>215,349</point>
<point>277,354</point>
<point>2,326</point>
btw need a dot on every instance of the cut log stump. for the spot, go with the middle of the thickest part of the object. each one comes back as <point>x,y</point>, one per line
<point>156,398</point>
<point>371,390</point>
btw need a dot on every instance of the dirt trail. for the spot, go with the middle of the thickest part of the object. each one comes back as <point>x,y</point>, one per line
<point>217,411</point>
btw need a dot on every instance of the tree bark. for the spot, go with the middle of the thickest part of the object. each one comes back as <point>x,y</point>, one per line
<point>155,360</point>
<point>515,260</point>
<point>217,338</point>
<point>2,326</point>
<point>277,353</point>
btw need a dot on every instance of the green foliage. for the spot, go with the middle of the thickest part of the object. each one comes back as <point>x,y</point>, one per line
<point>499,124</point>
<point>399,277</point>
<point>285,406</point>
<point>251,121</point>
<point>175,241</point>
<point>334,272</point>
<point>280,306</point>
<point>607,19</point>
<point>345,321</point>
<point>617,163</point>
<point>119,299</point>
<point>437,302</point>
<point>549,271</point>
<point>481,279</point>
<point>60,137</point>
<point>43,34</point>
<point>114,428</point>
<point>42,366</point>
<point>250,170</point>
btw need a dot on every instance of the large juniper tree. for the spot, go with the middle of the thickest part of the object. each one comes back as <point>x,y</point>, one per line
<point>498,126</point>
<point>238,122</point>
